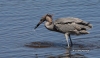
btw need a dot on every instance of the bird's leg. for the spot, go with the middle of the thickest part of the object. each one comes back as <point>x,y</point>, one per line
<point>66,35</point>
<point>70,40</point>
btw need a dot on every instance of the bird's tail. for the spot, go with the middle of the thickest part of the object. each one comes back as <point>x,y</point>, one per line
<point>90,25</point>
<point>85,25</point>
<point>83,32</point>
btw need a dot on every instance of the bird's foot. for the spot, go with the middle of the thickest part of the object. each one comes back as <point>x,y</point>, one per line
<point>69,46</point>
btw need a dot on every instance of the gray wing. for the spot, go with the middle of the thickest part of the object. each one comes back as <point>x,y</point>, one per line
<point>71,25</point>
<point>69,19</point>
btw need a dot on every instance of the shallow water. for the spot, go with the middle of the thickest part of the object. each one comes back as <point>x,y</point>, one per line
<point>18,19</point>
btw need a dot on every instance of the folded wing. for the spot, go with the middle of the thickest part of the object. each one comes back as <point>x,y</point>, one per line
<point>72,25</point>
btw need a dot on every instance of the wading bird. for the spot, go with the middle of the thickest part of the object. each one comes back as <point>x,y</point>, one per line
<point>67,26</point>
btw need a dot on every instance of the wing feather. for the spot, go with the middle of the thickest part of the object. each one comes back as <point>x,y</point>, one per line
<point>71,24</point>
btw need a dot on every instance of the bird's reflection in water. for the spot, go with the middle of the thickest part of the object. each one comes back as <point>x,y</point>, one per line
<point>67,54</point>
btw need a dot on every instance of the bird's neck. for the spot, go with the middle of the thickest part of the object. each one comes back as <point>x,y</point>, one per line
<point>49,25</point>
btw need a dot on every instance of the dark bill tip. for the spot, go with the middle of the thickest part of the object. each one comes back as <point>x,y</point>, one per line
<point>36,26</point>
<point>41,21</point>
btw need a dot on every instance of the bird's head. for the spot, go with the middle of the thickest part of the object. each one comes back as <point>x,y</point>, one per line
<point>47,17</point>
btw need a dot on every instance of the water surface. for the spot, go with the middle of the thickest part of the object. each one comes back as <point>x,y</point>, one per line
<point>18,19</point>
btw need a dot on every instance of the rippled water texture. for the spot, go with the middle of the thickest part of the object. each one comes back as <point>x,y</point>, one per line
<point>19,40</point>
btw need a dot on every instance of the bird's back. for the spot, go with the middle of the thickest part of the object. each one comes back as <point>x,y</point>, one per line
<point>72,25</point>
<point>69,19</point>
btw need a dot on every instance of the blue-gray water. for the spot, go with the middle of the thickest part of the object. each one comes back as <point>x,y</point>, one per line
<point>19,17</point>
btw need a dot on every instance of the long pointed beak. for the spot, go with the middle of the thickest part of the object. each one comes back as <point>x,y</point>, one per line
<point>38,24</point>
